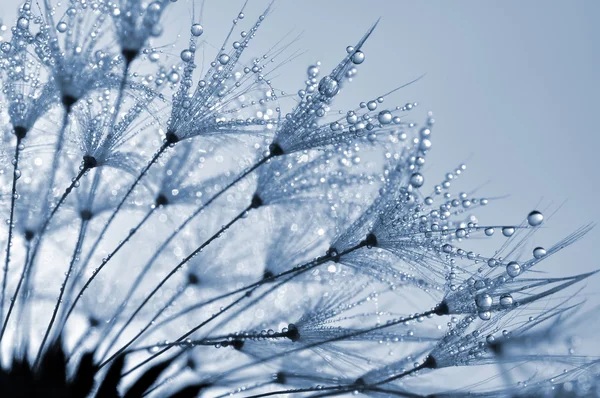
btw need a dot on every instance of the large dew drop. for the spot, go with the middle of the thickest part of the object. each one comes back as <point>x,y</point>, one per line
<point>384,117</point>
<point>417,180</point>
<point>508,231</point>
<point>197,29</point>
<point>539,252</point>
<point>483,301</point>
<point>328,86</point>
<point>535,218</point>
<point>513,269</point>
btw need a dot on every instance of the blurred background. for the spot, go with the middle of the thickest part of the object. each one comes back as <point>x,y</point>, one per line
<point>513,87</point>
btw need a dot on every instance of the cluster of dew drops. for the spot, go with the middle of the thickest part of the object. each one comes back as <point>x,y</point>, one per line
<point>513,269</point>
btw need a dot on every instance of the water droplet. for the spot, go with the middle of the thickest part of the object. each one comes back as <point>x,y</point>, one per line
<point>61,27</point>
<point>197,29</point>
<point>223,59</point>
<point>425,144</point>
<point>358,58</point>
<point>506,301</point>
<point>417,180</point>
<point>173,77</point>
<point>483,301</point>
<point>489,231</point>
<point>535,218</point>
<point>186,55</point>
<point>513,269</point>
<point>461,233</point>
<point>23,23</point>
<point>385,117</point>
<point>539,252</point>
<point>485,315</point>
<point>508,231</point>
<point>351,117</point>
<point>328,86</point>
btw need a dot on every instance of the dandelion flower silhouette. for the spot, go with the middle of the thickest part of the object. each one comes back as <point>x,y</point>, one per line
<point>178,226</point>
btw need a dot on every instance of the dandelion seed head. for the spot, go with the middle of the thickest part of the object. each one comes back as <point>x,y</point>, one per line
<point>176,224</point>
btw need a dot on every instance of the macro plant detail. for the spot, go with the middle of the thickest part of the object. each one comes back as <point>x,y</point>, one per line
<point>177,225</point>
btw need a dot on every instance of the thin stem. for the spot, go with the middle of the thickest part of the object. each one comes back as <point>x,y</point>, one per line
<point>84,169</point>
<point>401,375</point>
<point>223,341</point>
<point>224,228</point>
<point>53,171</point>
<point>259,298</point>
<point>13,199</point>
<point>74,183</point>
<point>396,393</point>
<point>119,100</point>
<point>79,343</point>
<point>129,235</point>
<point>114,340</point>
<point>119,246</point>
<point>298,270</point>
<point>89,206</point>
<point>167,380</point>
<point>361,387</point>
<point>14,298</point>
<point>254,387</point>
<point>294,391</point>
<point>163,246</point>
<point>76,251</point>
<point>212,317</point>
<point>107,224</point>
<point>343,336</point>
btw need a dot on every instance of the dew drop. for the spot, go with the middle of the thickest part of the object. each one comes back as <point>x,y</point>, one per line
<point>535,218</point>
<point>539,252</point>
<point>508,231</point>
<point>461,233</point>
<point>489,231</point>
<point>186,55</point>
<point>23,23</point>
<point>61,27</point>
<point>417,180</point>
<point>173,77</point>
<point>513,269</point>
<point>506,301</point>
<point>197,29</point>
<point>223,59</point>
<point>312,71</point>
<point>328,86</point>
<point>358,58</point>
<point>483,301</point>
<point>384,117</point>
<point>485,315</point>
